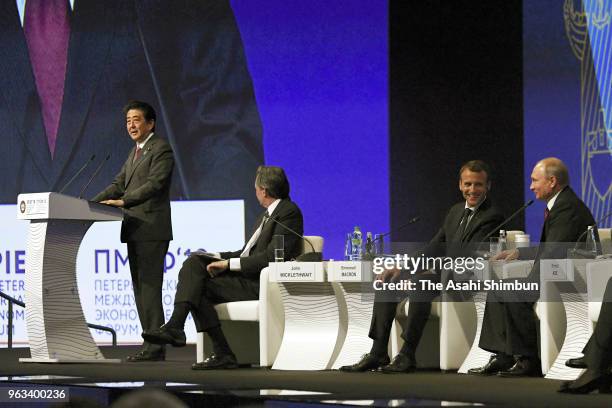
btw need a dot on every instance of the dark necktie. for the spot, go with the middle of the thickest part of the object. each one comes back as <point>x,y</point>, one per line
<point>463,224</point>
<point>252,243</point>
<point>47,31</point>
<point>137,154</point>
<point>546,213</point>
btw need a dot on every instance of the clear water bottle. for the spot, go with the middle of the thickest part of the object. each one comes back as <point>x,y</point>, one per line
<point>356,245</point>
<point>591,242</point>
<point>348,247</point>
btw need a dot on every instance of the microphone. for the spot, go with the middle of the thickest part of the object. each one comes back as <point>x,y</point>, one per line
<point>313,256</point>
<point>410,222</point>
<point>368,255</point>
<point>94,175</point>
<point>585,253</point>
<point>514,214</point>
<point>93,156</point>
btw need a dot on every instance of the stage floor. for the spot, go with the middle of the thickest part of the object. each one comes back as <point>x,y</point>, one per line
<point>251,386</point>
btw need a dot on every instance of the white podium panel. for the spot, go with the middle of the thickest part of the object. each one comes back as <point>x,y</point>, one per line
<point>312,316</point>
<point>352,278</point>
<point>57,329</point>
<point>556,303</point>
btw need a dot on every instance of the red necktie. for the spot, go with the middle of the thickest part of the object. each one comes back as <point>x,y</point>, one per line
<point>137,154</point>
<point>47,31</point>
<point>546,212</point>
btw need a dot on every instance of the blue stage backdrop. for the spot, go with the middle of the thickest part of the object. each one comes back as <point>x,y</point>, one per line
<point>320,74</point>
<point>567,97</point>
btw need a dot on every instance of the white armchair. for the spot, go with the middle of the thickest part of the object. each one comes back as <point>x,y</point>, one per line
<point>267,311</point>
<point>605,237</point>
<point>598,274</point>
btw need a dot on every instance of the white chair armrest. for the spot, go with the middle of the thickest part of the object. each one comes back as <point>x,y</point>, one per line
<point>598,273</point>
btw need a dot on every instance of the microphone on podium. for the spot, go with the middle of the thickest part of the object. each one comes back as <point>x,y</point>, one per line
<point>94,175</point>
<point>368,253</point>
<point>504,222</point>
<point>93,156</point>
<point>313,256</point>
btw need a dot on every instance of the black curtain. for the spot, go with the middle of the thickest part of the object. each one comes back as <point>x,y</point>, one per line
<point>456,94</point>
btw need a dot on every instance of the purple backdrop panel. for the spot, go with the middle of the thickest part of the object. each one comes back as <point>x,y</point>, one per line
<point>320,72</point>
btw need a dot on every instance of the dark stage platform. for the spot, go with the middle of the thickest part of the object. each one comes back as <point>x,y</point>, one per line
<point>250,386</point>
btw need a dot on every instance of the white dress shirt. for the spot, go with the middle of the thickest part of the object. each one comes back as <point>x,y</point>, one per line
<point>234,263</point>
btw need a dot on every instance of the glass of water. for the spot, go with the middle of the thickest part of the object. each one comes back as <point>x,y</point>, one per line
<point>379,244</point>
<point>278,242</point>
<point>495,246</point>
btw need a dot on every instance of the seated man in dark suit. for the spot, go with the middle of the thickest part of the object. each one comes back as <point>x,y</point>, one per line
<point>466,221</point>
<point>205,281</point>
<point>509,323</point>
<point>597,354</point>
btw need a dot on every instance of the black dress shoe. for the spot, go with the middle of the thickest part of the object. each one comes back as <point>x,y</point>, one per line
<point>147,355</point>
<point>497,363</point>
<point>524,367</point>
<point>589,381</point>
<point>166,335</point>
<point>401,363</point>
<point>368,361</point>
<point>217,362</point>
<point>576,363</point>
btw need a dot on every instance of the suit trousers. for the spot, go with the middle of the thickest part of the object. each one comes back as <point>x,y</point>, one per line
<point>598,350</point>
<point>509,327</point>
<point>202,292</point>
<point>419,308</point>
<point>147,269</point>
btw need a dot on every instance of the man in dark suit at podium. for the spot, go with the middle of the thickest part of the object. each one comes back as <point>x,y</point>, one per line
<point>208,279</point>
<point>466,222</point>
<point>142,189</point>
<point>67,65</point>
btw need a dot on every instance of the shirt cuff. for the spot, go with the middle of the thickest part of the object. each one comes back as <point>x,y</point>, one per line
<point>234,264</point>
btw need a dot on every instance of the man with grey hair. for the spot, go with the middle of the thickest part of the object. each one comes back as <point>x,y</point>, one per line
<point>206,279</point>
<point>509,325</point>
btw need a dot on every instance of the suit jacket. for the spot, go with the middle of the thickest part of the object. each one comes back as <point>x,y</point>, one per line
<point>262,252</point>
<point>144,186</point>
<point>566,222</point>
<point>185,57</point>
<point>487,216</point>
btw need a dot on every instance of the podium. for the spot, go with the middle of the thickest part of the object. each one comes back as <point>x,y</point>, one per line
<point>57,329</point>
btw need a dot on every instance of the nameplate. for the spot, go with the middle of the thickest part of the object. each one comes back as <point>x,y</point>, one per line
<point>33,206</point>
<point>555,269</point>
<point>349,271</point>
<point>297,272</point>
